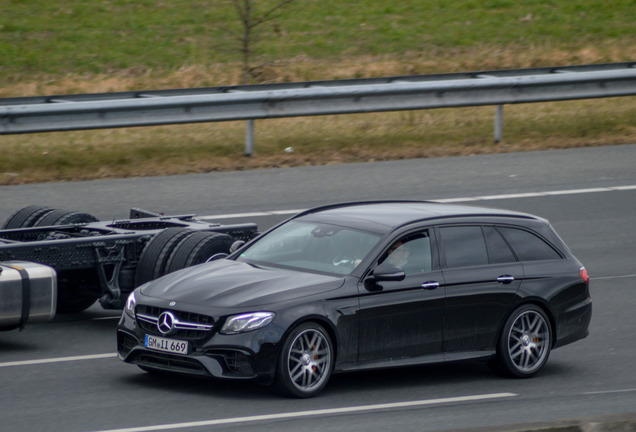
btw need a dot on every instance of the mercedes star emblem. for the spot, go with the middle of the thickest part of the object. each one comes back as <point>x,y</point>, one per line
<point>165,323</point>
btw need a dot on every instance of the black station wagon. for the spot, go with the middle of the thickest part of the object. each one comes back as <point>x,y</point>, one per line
<point>365,285</point>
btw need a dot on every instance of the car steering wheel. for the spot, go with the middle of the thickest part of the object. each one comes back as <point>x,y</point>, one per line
<point>345,260</point>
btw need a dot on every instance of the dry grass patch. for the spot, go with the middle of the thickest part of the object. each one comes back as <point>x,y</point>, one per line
<point>305,68</point>
<point>287,142</point>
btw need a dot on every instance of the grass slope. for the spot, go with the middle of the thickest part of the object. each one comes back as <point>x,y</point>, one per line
<point>74,46</point>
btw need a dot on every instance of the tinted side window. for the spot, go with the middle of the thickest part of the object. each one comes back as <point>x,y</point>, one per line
<point>498,250</point>
<point>412,254</point>
<point>464,246</point>
<point>528,246</point>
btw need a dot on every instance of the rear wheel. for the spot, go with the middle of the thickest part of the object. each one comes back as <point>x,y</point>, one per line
<point>305,362</point>
<point>77,290</point>
<point>26,217</point>
<point>65,217</point>
<point>525,342</point>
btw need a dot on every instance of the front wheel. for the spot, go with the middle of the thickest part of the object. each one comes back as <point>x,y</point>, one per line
<point>525,342</point>
<point>305,362</point>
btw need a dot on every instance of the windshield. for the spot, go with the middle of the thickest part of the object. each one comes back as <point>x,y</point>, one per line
<point>312,246</point>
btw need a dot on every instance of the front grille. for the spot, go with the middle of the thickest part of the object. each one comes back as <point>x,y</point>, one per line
<point>191,326</point>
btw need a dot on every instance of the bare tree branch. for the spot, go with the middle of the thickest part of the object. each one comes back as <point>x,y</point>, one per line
<point>250,20</point>
<point>270,14</point>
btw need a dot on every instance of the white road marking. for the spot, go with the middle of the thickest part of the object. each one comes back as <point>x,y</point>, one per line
<point>285,212</point>
<point>58,360</point>
<point>613,277</point>
<point>313,413</point>
<point>537,194</point>
<point>445,200</point>
<point>610,392</point>
<point>254,214</point>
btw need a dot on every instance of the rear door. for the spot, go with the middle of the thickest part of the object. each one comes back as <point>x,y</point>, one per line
<point>482,276</point>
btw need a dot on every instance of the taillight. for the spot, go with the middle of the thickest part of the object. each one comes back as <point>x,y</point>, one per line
<point>584,276</point>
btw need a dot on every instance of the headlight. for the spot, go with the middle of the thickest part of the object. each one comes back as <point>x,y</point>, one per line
<point>247,322</point>
<point>130,305</point>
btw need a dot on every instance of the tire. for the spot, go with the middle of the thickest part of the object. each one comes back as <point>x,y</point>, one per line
<point>525,342</point>
<point>65,217</point>
<point>26,217</point>
<point>305,362</point>
<point>75,305</point>
<point>80,290</point>
<point>196,248</point>
<point>153,259</point>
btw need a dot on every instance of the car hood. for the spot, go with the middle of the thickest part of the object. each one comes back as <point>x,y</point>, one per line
<point>227,283</point>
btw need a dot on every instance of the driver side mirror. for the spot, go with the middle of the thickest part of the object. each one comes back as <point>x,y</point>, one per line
<point>388,272</point>
<point>383,273</point>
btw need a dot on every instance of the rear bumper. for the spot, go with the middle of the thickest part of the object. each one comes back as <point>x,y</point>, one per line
<point>574,323</point>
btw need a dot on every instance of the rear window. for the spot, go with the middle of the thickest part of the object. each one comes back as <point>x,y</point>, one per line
<point>528,246</point>
<point>464,246</point>
<point>498,250</point>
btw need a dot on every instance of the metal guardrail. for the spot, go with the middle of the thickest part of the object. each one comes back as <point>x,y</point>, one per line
<point>148,108</point>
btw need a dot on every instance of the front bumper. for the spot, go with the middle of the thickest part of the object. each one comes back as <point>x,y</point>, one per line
<point>247,356</point>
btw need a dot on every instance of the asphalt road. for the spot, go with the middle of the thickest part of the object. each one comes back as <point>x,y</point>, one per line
<point>63,376</point>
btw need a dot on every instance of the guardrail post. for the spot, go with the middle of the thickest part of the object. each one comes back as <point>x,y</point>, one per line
<point>498,123</point>
<point>249,138</point>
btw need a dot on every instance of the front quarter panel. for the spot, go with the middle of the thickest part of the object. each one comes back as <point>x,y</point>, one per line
<point>337,312</point>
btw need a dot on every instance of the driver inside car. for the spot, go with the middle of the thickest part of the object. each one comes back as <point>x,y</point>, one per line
<point>398,255</point>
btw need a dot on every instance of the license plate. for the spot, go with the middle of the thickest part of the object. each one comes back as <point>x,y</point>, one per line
<point>167,345</point>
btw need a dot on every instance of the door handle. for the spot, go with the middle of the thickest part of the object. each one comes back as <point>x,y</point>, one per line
<point>505,279</point>
<point>430,285</point>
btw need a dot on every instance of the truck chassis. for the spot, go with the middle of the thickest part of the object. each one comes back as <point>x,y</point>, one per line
<point>106,260</point>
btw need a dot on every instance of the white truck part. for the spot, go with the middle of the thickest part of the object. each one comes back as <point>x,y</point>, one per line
<point>28,292</point>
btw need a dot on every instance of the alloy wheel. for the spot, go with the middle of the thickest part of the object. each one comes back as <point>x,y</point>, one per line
<point>529,341</point>
<point>309,360</point>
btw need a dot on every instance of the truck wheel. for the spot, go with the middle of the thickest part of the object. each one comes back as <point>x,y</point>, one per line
<point>153,259</point>
<point>75,304</point>
<point>65,217</point>
<point>196,248</point>
<point>79,291</point>
<point>26,217</point>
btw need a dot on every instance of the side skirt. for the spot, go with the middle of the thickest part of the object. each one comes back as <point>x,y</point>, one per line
<point>413,361</point>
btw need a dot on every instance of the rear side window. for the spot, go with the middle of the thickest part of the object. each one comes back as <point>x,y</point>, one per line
<point>528,246</point>
<point>464,246</point>
<point>498,250</point>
